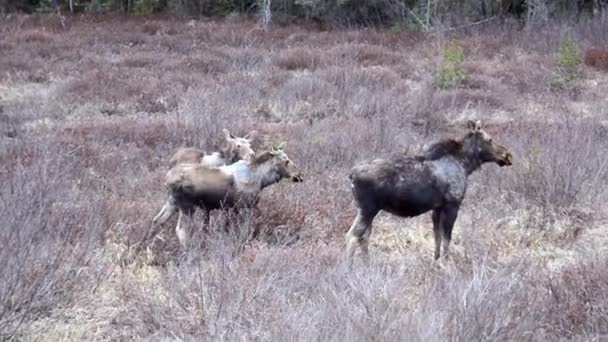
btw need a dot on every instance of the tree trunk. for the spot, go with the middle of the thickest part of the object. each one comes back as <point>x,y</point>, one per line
<point>266,13</point>
<point>516,8</point>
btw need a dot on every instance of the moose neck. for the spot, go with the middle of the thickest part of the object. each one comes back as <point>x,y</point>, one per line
<point>266,174</point>
<point>229,156</point>
<point>268,181</point>
<point>470,157</point>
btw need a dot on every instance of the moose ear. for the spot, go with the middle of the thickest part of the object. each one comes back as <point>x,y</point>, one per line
<point>228,135</point>
<point>281,146</point>
<point>251,135</point>
<point>474,126</point>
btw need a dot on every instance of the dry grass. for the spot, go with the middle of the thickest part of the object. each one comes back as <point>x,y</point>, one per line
<point>298,59</point>
<point>36,36</point>
<point>90,112</point>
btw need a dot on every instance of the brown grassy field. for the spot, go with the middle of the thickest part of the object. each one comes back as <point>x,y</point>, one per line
<point>91,111</point>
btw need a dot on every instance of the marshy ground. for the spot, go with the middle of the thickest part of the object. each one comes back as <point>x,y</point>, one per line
<point>91,111</point>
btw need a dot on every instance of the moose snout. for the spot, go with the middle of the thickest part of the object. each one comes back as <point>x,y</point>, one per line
<point>297,178</point>
<point>506,159</point>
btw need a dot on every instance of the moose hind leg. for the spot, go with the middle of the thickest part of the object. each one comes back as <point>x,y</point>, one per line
<point>359,233</point>
<point>165,212</point>
<point>181,231</point>
<point>206,220</point>
<point>160,213</point>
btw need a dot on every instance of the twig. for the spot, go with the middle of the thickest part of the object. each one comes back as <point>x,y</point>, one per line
<point>428,13</point>
<point>467,25</point>
<point>418,19</point>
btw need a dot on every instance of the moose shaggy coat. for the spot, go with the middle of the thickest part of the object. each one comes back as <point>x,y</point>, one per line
<point>409,186</point>
<point>232,186</point>
<point>237,148</point>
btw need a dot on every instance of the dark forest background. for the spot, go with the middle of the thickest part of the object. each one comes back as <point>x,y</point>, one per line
<point>396,14</point>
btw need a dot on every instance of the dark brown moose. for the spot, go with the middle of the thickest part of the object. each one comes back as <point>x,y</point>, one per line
<point>409,186</point>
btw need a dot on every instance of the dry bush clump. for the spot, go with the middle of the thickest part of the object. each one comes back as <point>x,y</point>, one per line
<point>140,62</point>
<point>151,28</point>
<point>42,244</point>
<point>289,213</point>
<point>97,84</point>
<point>375,55</point>
<point>597,58</point>
<point>91,112</point>
<point>249,59</point>
<point>13,65</point>
<point>212,62</point>
<point>298,59</point>
<point>364,54</point>
<point>36,36</point>
<point>578,300</point>
<point>375,77</point>
<point>563,164</point>
<point>115,91</point>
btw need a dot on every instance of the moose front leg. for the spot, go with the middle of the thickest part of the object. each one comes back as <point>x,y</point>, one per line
<point>437,231</point>
<point>182,231</point>
<point>448,218</point>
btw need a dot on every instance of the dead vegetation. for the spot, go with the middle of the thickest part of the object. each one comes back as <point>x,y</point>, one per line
<point>597,58</point>
<point>91,110</point>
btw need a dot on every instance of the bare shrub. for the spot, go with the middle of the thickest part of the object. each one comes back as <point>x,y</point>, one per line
<point>428,109</point>
<point>375,77</point>
<point>370,55</point>
<point>356,139</point>
<point>118,132</point>
<point>150,103</point>
<point>298,59</point>
<point>209,63</point>
<point>103,86</point>
<point>36,36</point>
<point>151,28</point>
<point>96,84</point>
<point>176,45</point>
<point>361,54</point>
<point>139,62</point>
<point>527,74</point>
<point>282,219</point>
<point>19,65</point>
<point>577,301</point>
<point>249,59</point>
<point>563,165</point>
<point>485,303</point>
<point>43,240</point>
<point>34,108</point>
<point>597,58</point>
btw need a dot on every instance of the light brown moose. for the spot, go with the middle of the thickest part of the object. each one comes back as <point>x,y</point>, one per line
<point>230,186</point>
<point>237,148</point>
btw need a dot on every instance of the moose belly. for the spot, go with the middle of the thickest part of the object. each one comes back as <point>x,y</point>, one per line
<point>224,200</point>
<point>410,206</point>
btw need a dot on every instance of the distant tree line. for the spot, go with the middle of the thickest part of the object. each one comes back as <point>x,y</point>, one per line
<point>407,14</point>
